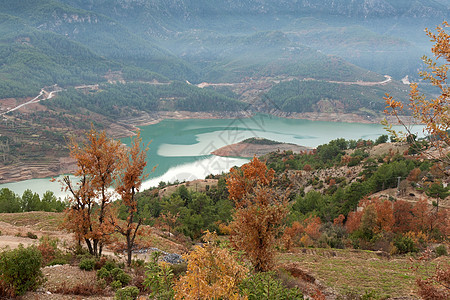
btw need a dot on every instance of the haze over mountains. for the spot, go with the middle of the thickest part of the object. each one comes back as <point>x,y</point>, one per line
<point>74,41</point>
<point>117,63</point>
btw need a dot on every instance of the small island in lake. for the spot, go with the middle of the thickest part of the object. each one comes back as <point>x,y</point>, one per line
<point>257,146</point>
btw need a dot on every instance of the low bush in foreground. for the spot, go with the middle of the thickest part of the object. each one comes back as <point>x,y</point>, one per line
<point>20,271</point>
<point>127,293</point>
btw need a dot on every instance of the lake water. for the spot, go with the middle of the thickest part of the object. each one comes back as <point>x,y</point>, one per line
<point>181,148</point>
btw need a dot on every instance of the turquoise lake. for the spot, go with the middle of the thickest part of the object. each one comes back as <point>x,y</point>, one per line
<point>181,148</point>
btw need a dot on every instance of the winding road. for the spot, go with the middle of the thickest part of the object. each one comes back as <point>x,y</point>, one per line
<point>45,95</point>
<point>359,82</point>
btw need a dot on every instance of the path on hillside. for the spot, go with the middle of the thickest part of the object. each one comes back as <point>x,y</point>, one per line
<point>359,82</point>
<point>45,95</point>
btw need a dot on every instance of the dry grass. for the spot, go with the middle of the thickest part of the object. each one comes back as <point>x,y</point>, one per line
<point>356,272</point>
<point>198,185</point>
<point>84,289</point>
<point>35,220</point>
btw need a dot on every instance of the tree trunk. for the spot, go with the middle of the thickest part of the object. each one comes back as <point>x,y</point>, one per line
<point>89,245</point>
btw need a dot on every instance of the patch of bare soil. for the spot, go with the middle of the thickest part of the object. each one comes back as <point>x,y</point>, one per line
<point>381,149</point>
<point>33,107</point>
<point>7,103</point>
<point>14,228</point>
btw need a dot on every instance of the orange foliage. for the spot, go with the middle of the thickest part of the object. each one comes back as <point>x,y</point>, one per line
<point>421,214</point>
<point>345,159</point>
<point>132,164</point>
<point>353,221</point>
<point>291,235</point>
<point>260,211</point>
<point>377,215</point>
<point>339,220</point>
<point>433,113</point>
<point>306,241</point>
<point>224,228</point>
<point>212,273</point>
<point>414,175</point>
<point>403,216</point>
<point>307,168</point>
<point>437,287</point>
<point>399,217</point>
<point>385,215</point>
<point>313,227</point>
<point>97,162</point>
<point>242,181</point>
<point>256,226</point>
<point>318,295</point>
<point>439,220</point>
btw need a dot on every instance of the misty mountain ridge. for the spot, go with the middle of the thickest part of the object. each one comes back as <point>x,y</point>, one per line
<point>210,41</point>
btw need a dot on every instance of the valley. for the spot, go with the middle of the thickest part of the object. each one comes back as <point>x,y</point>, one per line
<point>50,165</point>
<point>270,149</point>
<point>122,70</point>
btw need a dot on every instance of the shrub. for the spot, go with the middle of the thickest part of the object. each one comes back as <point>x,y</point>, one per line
<point>20,270</point>
<point>104,262</point>
<point>115,275</point>
<point>99,263</point>
<point>115,272</point>
<point>58,261</point>
<point>49,249</point>
<point>212,273</point>
<point>266,286</point>
<point>116,285</point>
<point>441,250</point>
<point>110,265</point>
<point>127,293</point>
<point>103,273</point>
<point>404,244</point>
<point>138,263</point>
<point>31,235</point>
<point>124,278</point>
<point>159,279</point>
<point>87,264</point>
<point>179,269</point>
<point>332,236</point>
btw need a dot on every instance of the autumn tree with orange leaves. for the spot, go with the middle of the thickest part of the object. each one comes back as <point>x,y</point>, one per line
<point>132,165</point>
<point>97,168</point>
<point>433,113</point>
<point>212,273</point>
<point>260,211</point>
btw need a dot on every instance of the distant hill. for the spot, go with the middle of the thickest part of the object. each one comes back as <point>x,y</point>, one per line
<point>31,59</point>
<point>103,35</point>
<point>73,42</point>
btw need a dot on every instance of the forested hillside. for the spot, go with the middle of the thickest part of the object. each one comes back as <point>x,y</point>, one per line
<point>106,61</point>
<point>312,95</point>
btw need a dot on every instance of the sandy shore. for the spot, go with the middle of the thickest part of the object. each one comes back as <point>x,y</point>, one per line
<point>243,149</point>
<point>156,117</point>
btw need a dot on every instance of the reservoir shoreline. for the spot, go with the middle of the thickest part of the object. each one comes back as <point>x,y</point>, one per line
<point>24,171</point>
